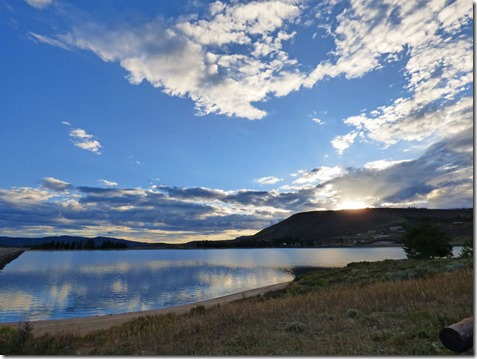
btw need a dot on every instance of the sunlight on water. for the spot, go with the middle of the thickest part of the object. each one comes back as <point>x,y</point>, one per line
<point>63,284</point>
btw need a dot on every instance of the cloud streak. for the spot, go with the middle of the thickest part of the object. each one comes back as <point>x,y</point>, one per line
<point>268,180</point>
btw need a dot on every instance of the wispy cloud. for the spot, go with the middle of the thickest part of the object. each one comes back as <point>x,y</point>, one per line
<point>48,40</point>
<point>380,165</point>
<point>318,121</point>
<point>39,4</point>
<point>268,180</point>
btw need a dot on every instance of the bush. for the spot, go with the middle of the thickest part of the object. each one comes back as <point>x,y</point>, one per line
<point>467,250</point>
<point>352,313</point>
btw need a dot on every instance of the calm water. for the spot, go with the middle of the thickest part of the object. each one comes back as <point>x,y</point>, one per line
<point>63,284</point>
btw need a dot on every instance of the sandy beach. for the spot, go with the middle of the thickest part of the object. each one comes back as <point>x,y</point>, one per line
<point>89,324</point>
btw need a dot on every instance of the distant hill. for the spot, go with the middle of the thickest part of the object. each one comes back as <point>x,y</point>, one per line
<point>68,241</point>
<point>371,226</point>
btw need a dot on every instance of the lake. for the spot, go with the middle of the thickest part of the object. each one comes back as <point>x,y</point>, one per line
<point>64,284</point>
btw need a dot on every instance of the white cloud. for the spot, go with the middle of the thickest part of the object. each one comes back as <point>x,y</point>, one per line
<point>85,141</point>
<point>39,4</point>
<point>318,121</point>
<point>24,196</point>
<point>342,143</point>
<point>237,23</point>
<point>268,180</point>
<point>108,183</point>
<point>369,30</point>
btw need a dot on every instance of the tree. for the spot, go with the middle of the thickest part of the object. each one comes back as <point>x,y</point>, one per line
<point>426,240</point>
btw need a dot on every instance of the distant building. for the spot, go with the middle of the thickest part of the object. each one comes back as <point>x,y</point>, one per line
<point>395,228</point>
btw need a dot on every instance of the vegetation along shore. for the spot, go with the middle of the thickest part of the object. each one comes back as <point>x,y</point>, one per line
<point>392,307</point>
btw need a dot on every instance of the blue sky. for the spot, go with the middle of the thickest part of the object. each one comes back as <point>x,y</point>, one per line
<point>175,121</point>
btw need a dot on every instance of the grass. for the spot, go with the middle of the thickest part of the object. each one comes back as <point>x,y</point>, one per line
<point>382,308</point>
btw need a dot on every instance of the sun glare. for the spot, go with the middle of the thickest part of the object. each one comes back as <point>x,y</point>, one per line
<point>352,205</point>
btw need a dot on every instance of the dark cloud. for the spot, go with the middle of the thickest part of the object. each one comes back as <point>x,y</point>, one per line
<point>415,189</point>
<point>195,192</point>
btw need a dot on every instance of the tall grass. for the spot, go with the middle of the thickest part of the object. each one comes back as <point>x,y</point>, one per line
<point>381,316</point>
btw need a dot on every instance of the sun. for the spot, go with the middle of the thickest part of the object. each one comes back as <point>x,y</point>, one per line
<point>352,204</point>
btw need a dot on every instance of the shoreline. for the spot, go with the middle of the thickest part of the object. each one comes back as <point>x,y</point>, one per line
<point>85,325</point>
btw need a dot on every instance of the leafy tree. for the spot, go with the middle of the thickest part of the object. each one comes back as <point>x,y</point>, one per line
<point>425,240</point>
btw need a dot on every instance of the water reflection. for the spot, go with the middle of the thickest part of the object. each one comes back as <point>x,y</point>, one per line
<point>61,284</point>
<point>51,285</point>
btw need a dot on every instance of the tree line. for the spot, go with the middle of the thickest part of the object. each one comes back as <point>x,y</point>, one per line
<point>287,241</point>
<point>80,244</point>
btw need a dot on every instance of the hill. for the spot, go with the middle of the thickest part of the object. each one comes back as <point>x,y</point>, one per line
<point>370,226</point>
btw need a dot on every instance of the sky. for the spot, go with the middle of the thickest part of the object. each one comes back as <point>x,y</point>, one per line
<point>172,121</point>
